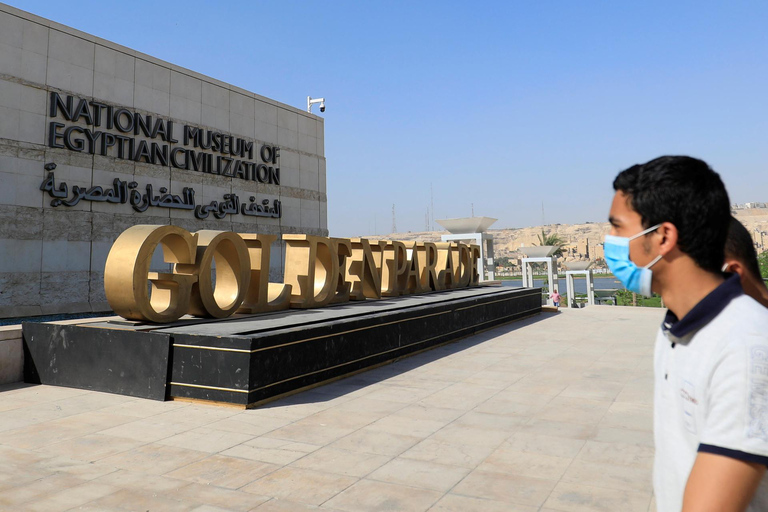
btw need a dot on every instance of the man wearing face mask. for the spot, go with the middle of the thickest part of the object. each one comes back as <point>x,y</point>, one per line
<point>669,220</point>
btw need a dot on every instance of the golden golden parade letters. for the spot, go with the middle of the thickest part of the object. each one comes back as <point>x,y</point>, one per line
<point>218,273</point>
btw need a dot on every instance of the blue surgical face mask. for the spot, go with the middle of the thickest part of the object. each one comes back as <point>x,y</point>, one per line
<point>636,279</point>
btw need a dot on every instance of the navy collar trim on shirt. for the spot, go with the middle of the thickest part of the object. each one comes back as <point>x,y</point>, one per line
<point>707,308</point>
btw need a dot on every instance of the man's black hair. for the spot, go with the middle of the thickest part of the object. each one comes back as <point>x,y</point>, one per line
<point>688,193</point>
<point>739,246</point>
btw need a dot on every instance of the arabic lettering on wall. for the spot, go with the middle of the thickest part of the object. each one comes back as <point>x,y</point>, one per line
<point>123,192</point>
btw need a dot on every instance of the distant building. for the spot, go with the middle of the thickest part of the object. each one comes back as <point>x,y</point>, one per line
<point>599,253</point>
<point>747,206</point>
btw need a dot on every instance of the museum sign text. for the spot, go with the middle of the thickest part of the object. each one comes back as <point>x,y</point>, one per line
<point>118,131</point>
<point>216,274</point>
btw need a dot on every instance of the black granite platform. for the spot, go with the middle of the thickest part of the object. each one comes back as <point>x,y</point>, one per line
<point>248,359</point>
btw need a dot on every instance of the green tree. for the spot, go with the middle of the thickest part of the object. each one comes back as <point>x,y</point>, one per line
<point>552,239</point>
<point>762,259</point>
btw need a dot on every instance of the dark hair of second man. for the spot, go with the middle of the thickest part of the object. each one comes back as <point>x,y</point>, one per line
<point>739,246</point>
<point>688,193</point>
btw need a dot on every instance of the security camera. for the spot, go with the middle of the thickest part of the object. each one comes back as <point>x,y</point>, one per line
<point>49,166</point>
<point>311,102</point>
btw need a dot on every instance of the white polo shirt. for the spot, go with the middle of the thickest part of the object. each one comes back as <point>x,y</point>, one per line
<point>711,390</point>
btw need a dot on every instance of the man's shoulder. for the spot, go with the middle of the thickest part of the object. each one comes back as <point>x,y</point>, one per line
<point>745,313</point>
<point>741,324</point>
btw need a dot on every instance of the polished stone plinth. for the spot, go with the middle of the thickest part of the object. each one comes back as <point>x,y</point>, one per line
<point>250,359</point>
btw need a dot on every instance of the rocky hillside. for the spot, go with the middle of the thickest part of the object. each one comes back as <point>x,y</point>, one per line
<point>507,241</point>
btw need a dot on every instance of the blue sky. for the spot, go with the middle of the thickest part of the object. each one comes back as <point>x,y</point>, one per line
<point>504,105</point>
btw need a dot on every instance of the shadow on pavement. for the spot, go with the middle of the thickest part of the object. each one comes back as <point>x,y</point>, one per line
<point>378,374</point>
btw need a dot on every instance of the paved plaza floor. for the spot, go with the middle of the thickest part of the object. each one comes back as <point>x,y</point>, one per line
<point>552,413</point>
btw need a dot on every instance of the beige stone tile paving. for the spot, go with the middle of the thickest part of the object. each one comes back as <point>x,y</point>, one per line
<point>456,503</point>
<point>71,497</point>
<point>510,404</point>
<point>522,490</point>
<point>132,500</point>
<point>449,453</point>
<point>140,481</point>
<point>74,467</point>
<point>209,508</point>
<point>421,412</point>
<point>206,440</point>
<point>544,444</point>
<point>9,404</point>
<point>611,476</point>
<point>218,497</point>
<point>148,429</point>
<point>222,471</point>
<point>559,428</point>
<point>273,451</point>
<point>624,435</point>
<point>490,421</point>
<point>567,497</point>
<point>594,389</point>
<point>251,425</point>
<point>309,432</point>
<point>373,408</point>
<point>154,459</point>
<point>583,411</point>
<point>536,465</point>
<point>457,433</point>
<point>640,456</point>
<point>629,415</point>
<point>279,505</point>
<point>302,485</point>
<point>342,462</point>
<point>15,497</point>
<point>142,408</point>
<point>421,474</point>
<point>91,447</point>
<point>383,497</point>
<point>367,440</point>
<point>397,424</point>
<point>549,414</point>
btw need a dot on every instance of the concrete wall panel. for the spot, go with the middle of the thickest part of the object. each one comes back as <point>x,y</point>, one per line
<point>52,256</point>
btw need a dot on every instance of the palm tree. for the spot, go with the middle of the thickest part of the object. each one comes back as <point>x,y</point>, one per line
<point>552,239</point>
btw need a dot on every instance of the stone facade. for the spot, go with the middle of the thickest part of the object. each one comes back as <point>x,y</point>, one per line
<point>52,256</point>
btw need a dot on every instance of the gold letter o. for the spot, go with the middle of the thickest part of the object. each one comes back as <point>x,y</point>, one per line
<point>233,274</point>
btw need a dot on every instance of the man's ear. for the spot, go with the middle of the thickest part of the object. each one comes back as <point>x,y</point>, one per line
<point>668,233</point>
<point>735,266</point>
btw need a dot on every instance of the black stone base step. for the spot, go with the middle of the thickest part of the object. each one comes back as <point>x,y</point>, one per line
<point>251,359</point>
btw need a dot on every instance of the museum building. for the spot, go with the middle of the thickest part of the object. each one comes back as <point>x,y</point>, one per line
<point>96,137</point>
